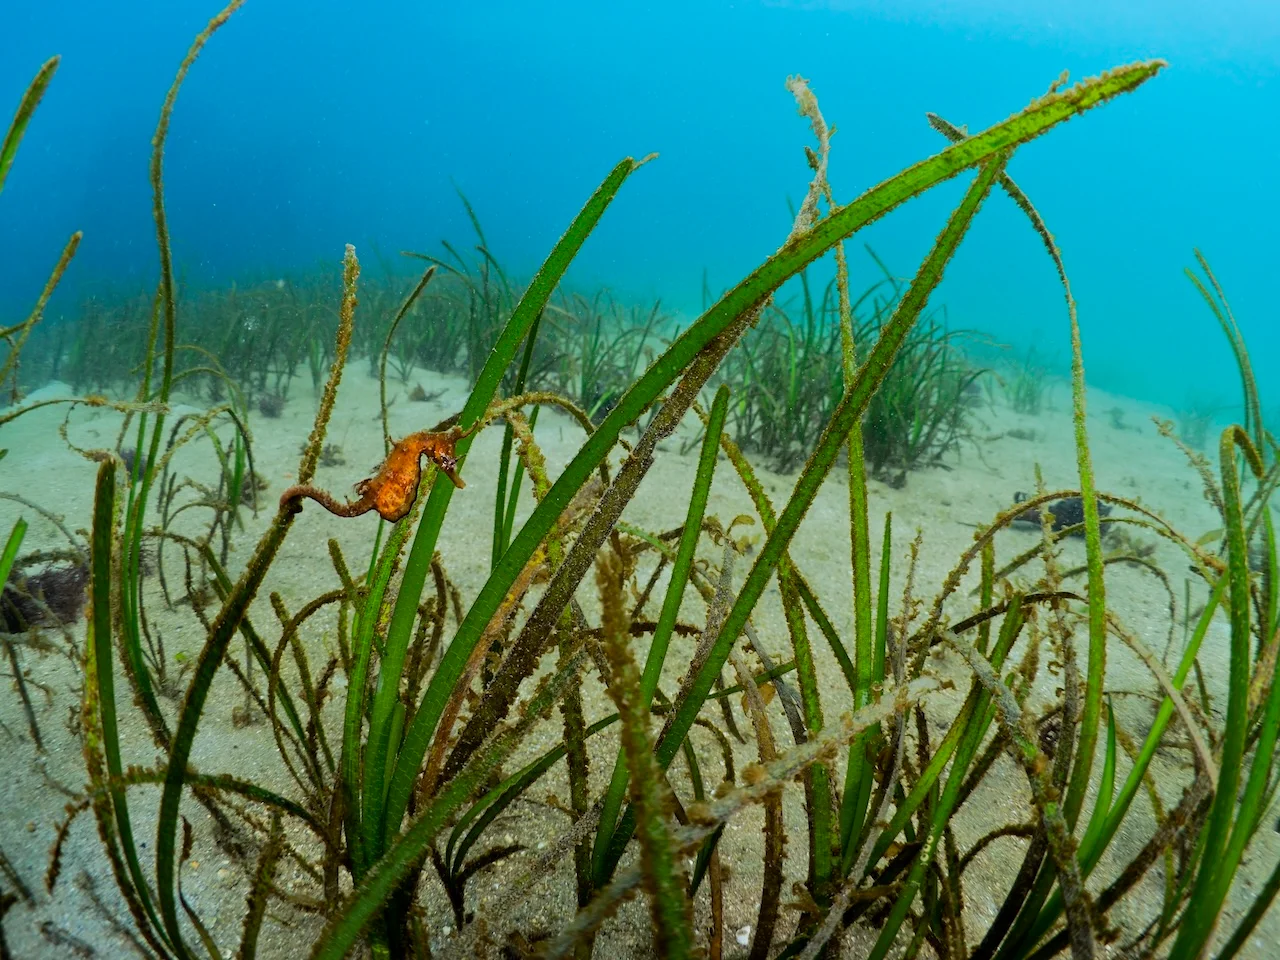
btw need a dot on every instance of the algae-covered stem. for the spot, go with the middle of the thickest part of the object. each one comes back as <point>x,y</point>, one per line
<point>232,614</point>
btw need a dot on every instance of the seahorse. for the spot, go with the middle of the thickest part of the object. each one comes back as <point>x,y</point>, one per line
<point>393,489</point>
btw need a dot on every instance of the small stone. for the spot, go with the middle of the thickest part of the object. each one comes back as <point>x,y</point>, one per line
<point>31,826</point>
<point>224,873</point>
<point>743,936</point>
<point>194,864</point>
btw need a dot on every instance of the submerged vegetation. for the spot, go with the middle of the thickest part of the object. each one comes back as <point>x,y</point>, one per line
<point>1025,385</point>
<point>787,376</point>
<point>252,342</point>
<point>400,784</point>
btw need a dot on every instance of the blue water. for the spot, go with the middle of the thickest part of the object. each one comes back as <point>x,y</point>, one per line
<point>308,125</point>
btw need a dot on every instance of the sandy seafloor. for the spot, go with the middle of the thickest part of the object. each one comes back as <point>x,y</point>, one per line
<point>946,503</point>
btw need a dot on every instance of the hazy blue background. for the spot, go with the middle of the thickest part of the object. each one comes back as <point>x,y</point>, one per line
<point>308,125</point>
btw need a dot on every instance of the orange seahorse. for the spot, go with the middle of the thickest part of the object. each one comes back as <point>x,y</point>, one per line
<point>393,489</point>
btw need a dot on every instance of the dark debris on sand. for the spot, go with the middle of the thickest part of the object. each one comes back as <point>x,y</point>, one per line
<point>55,595</point>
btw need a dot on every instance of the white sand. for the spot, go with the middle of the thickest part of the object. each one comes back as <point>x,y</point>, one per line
<point>947,504</point>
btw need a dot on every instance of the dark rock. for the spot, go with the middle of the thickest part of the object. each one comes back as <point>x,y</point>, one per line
<point>271,405</point>
<point>1067,512</point>
<point>55,595</point>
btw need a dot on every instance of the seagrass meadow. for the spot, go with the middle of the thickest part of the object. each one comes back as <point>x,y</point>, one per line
<point>792,629</point>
